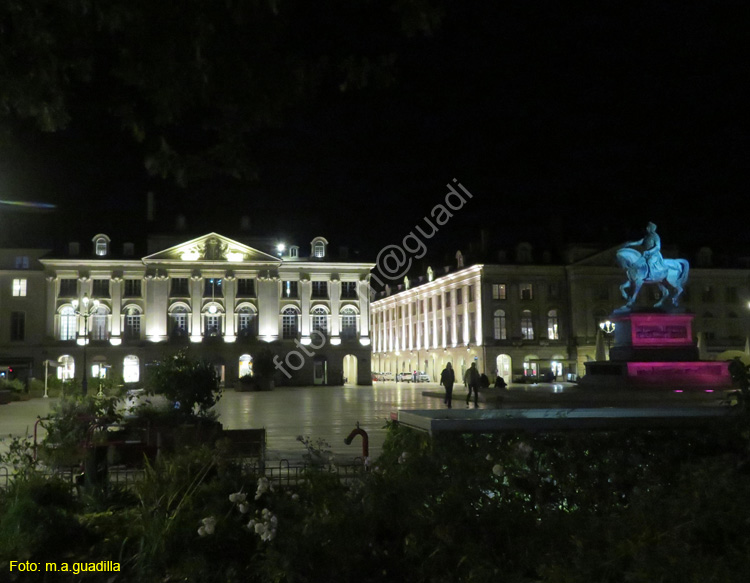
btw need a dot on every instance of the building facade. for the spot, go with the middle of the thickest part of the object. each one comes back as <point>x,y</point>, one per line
<point>219,298</point>
<point>529,320</point>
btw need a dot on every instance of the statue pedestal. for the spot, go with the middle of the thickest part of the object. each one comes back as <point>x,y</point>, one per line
<point>656,350</point>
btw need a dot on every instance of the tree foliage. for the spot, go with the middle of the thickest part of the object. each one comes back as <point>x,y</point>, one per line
<point>194,81</point>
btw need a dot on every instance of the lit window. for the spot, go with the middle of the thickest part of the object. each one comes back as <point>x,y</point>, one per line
<point>527,325</point>
<point>98,322</point>
<point>500,332</point>
<point>553,325</point>
<point>179,321</point>
<point>289,323</point>
<point>101,246</point>
<point>289,289</point>
<point>131,369</point>
<point>19,287</point>
<point>67,369</point>
<point>319,249</point>
<point>320,320</point>
<point>498,291</point>
<point>67,323</point>
<point>246,321</point>
<point>348,323</point>
<point>246,365</point>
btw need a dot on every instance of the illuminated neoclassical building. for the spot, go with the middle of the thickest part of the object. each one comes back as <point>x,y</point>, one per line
<point>223,299</point>
<point>510,320</point>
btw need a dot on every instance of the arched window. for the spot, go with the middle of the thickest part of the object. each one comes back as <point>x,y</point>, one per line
<point>67,323</point>
<point>98,323</point>
<point>348,323</point>
<point>101,245</point>
<point>289,323</point>
<point>212,321</point>
<point>131,369</point>
<point>527,325</point>
<point>67,369</point>
<point>246,365</point>
<point>247,320</point>
<point>500,330</point>
<point>178,320</point>
<point>319,245</point>
<point>319,320</point>
<point>132,321</point>
<point>553,325</point>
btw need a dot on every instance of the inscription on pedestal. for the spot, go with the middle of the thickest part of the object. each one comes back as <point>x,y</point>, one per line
<point>653,332</point>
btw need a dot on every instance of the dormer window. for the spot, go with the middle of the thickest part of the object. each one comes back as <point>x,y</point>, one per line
<point>101,245</point>
<point>319,245</point>
<point>293,251</point>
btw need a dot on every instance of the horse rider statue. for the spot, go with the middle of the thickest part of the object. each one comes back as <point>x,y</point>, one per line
<point>651,267</point>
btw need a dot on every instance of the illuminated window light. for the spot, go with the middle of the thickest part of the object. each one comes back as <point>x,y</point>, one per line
<point>364,341</point>
<point>115,341</point>
<point>196,339</point>
<point>335,341</point>
<point>306,341</point>
<point>235,256</point>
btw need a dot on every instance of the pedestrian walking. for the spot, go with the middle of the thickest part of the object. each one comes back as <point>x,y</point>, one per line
<point>471,380</point>
<point>447,378</point>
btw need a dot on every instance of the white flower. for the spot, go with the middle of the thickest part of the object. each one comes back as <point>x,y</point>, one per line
<point>237,497</point>
<point>209,525</point>
<point>263,486</point>
<point>244,508</point>
<point>367,462</point>
<point>497,469</point>
<point>489,457</point>
<point>295,497</point>
<point>402,458</point>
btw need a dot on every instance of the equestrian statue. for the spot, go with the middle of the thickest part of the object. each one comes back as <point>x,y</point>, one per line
<point>651,267</point>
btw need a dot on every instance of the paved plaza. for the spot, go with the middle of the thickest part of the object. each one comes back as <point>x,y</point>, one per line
<point>331,413</point>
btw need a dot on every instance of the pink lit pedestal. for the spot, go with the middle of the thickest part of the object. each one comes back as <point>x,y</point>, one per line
<point>656,350</point>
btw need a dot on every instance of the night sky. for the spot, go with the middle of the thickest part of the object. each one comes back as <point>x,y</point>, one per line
<point>567,124</point>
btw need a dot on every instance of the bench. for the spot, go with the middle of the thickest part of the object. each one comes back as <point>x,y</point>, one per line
<point>246,443</point>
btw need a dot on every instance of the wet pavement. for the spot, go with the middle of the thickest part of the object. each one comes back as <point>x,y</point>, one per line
<point>331,413</point>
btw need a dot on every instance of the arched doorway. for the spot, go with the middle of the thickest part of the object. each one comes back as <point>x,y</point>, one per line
<point>350,369</point>
<point>504,367</point>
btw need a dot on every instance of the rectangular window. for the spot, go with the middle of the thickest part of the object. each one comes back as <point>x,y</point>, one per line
<point>17,326</point>
<point>289,289</point>
<point>245,288</point>
<point>459,296</point>
<point>132,288</point>
<point>100,288</point>
<point>22,261</point>
<point>348,290</point>
<point>498,291</point>
<point>448,299</point>
<point>212,287</point>
<point>19,288</point>
<point>471,293</point>
<point>68,288</point>
<point>180,287</point>
<point>320,289</point>
<point>526,291</point>
<point>439,302</point>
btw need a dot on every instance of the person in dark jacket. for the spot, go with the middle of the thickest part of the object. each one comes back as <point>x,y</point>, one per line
<point>471,380</point>
<point>447,378</point>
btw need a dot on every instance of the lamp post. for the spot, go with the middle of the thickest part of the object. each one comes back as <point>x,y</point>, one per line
<point>87,309</point>
<point>608,328</point>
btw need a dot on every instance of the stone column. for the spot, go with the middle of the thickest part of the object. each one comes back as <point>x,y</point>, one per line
<point>334,293</point>
<point>478,312</point>
<point>230,293</point>
<point>196,303</point>
<point>363,293</point>
<point>466,315</point>
<point>115,329</point>
<point>52,315</point>
<point>305,295</point>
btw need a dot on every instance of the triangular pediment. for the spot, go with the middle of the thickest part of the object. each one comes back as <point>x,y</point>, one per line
<point>213,248</point>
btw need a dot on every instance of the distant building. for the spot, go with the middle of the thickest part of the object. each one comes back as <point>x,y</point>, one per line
<point>223,299</point>
<point>525,319</point>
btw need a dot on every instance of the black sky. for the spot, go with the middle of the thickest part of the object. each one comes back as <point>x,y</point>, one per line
<point>598,116</point>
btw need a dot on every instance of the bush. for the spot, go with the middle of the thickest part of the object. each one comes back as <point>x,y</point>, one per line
<point>192,385</point>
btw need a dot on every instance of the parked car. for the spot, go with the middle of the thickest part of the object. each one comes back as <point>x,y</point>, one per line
<point>386,376</point>
<point>423,377</point>
<point>405,377</point>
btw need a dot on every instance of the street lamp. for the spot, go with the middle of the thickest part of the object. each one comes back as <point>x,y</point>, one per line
<point>608,328</point>
<point>87,309</point>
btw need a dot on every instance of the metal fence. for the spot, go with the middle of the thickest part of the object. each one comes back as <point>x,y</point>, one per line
<point>283,473</point>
